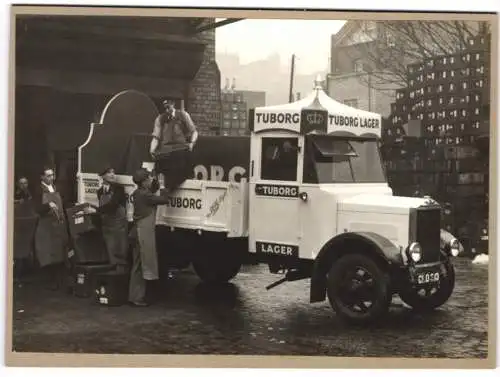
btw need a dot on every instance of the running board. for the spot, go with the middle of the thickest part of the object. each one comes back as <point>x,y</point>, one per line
<point>292,275</point>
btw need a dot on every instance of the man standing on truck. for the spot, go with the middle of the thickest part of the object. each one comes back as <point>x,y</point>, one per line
<point>173,133</point>
<point>145,259</point>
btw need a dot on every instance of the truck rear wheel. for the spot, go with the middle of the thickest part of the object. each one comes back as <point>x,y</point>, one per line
<point>217,266</point>
<point>358,289</point>
<point>430,298</point>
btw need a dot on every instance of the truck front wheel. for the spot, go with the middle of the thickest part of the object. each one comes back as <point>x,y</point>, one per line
<point>429,298</point>
<point>217,266</point>
<point>358,289</point>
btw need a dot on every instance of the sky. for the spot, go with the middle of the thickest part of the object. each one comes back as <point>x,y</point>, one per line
<point>254,39</point>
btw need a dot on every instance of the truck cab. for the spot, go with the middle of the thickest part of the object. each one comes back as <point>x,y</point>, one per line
<point>321,207</point>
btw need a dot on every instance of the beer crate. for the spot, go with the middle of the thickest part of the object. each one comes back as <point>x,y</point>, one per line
<point>84,275</point>
<point>442,166</point>
<point>466,191</point>
<point>478,84</point>
<point>479,43</point>
<point>414,70</point>
<point>455,61</point>
<point>467,165</point>
<point>111,288</point>
<point>476,127</point>
<point>436,153</point>
<point>466,152</point>
<point>407,190</point>
<point>478,57</point>
<point>402,95</point>
<point>398,179</point>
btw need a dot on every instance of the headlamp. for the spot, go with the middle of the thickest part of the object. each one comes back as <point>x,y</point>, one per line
<point>415,252</point>
<point>454,247</point>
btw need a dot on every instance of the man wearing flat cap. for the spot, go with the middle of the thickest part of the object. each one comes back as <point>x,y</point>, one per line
<point>145,258</point>
<point>113,214</point>
<point>173,128</point>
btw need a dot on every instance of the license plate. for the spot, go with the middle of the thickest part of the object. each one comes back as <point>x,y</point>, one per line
<point>427,277</point>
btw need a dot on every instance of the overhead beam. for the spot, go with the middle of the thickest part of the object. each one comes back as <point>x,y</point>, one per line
<point>215,25</point>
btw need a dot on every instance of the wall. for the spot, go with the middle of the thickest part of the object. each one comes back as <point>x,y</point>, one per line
<point>55,105</point>
<point>204,98</point>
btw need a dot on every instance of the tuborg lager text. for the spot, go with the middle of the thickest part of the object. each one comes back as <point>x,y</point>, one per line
<point>336,120</point>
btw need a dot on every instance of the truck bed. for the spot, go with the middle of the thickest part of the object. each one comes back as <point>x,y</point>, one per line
<point>213,206</point>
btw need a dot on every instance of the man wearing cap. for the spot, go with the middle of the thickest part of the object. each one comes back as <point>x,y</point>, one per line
<point>51,238</point>
<point>172,128</point>
<point>145,258</point>
<point>113,214</point>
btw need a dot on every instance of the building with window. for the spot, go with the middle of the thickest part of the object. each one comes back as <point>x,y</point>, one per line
<point>350,64</point>
<point>348,81</point>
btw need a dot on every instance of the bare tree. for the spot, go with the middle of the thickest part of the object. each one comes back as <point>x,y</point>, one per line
<point>392,45</point>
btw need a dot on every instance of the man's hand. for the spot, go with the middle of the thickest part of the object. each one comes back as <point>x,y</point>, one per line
<point>53,205</point>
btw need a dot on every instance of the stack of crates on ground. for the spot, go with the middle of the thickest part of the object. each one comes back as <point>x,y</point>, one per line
<point>448,98</point>
<point>90,256</point>
<point>234,114</point>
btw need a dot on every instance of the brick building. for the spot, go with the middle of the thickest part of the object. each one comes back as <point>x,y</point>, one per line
<point>68,67</point>
<point>348,81</point>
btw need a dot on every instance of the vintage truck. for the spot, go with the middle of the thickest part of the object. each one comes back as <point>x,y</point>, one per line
<point>305,193</point>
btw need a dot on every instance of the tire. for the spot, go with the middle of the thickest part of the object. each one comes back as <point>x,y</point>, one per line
<point>353,281</point>
<point>217,267</point>
<point>432,299</point>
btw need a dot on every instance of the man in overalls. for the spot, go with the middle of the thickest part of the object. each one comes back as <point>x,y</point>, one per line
<point>51,237</point>
<point>114,223</point>
<point>145,258</point>
<point>173,133</point>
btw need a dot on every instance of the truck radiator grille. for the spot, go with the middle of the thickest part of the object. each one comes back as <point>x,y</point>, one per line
<point>427,231</point>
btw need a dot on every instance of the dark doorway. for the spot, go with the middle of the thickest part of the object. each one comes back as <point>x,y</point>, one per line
<point>66,165</point>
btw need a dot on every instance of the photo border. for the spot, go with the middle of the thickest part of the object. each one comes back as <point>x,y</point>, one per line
<point>25,359</point>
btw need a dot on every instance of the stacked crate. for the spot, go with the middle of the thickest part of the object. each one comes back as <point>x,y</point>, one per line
<point>234,114</point>
<point>449,96</point>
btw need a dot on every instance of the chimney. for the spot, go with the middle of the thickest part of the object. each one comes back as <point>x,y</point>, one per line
<point>234,84</point>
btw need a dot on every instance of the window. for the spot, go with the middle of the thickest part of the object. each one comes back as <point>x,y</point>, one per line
<point>358,65</point>
<point>342,160</point>
<point>279,159</point>
<point>353,102</point>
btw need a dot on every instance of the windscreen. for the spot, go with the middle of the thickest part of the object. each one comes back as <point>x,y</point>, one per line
<point>330,159</point>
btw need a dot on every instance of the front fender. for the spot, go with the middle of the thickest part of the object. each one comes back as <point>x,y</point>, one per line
<point>366,242</point>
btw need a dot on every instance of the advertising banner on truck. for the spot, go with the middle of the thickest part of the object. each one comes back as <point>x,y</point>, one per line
<point>316,113</point>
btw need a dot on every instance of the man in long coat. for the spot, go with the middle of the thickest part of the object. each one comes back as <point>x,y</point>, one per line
<point>114,223</point>
<point>145,258</point>
<point>51,236</point>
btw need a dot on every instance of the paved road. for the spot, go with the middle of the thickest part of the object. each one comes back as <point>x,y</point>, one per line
<point>244,318</point>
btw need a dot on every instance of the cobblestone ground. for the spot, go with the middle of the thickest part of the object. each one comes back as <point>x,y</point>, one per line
<point>244,318</point>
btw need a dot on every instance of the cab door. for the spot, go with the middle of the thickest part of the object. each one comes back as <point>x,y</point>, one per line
<point>274,224</point>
